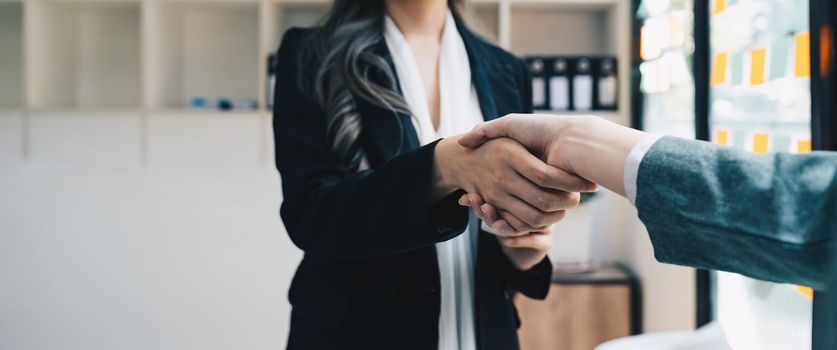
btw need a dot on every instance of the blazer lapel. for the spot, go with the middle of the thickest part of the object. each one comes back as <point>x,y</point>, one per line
<point>491,78</point>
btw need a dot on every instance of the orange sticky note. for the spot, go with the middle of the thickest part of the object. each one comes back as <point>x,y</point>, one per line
<point>806,291</point>
<point>760,142</point>
<point>719,69</point>
<point>802,55</point>
<point>803,146</point>
<point>758,58</point>
<point>720,6</point>
<point>722,137</point>
<point>825,51</point>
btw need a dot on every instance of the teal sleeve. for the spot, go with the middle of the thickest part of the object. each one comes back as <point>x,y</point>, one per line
<point>771,217</point>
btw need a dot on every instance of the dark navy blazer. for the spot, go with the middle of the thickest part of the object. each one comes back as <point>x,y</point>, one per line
<point>370,278</point>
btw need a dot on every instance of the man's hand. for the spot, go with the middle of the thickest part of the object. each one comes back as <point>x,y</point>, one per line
<point>540,134</point>
<point>586,146</point>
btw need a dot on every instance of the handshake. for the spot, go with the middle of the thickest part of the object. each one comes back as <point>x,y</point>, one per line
<point>523,172</point>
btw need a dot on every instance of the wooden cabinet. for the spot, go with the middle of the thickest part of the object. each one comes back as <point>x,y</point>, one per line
<point>581,311</point>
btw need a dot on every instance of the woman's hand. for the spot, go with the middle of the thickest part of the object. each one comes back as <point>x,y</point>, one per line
<point>528,194</point>
<point>528,250</point>
<point>524,249</point>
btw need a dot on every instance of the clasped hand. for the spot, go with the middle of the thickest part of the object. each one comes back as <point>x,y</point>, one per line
<point>514,191</point>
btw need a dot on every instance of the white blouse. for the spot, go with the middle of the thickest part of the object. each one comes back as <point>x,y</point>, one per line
<point>459,113</point>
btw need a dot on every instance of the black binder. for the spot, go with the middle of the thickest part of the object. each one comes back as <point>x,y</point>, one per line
<point>583,86</point>
<point>559,84</point>
<point>540,92</point>
<point>607,85</point>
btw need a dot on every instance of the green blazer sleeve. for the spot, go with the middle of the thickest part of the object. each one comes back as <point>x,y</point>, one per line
<point>771,217</point>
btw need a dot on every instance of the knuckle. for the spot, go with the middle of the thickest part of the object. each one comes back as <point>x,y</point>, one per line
<point>544,202</point>
<point>540,176</point>
<point>499,177</point>
<point>537,219</point>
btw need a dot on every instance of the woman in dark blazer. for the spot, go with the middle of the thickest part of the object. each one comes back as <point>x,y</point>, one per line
<point>369,204</point>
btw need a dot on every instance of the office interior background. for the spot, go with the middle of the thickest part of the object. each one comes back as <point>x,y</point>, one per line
<point>139,200</point>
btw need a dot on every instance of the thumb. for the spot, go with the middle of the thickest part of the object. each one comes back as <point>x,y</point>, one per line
<point>483,133</point>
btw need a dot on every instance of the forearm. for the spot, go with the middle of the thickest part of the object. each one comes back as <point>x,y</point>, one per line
<point>596,149</point>
<point>354,216</point>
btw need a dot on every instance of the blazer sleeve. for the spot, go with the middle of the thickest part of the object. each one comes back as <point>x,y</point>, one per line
<point>535,282</point>
<point>331,213</point>
<point>771,217</point>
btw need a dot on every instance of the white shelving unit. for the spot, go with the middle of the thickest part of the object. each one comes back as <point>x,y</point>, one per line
<point>83,55</point>
<point>11,55</point>
<point>149,59</point>
<point>201,49</point>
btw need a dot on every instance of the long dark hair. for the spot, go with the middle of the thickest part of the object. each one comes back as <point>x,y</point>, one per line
<point>343,50</point>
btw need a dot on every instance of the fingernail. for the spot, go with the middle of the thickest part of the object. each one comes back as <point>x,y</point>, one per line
<point>470,199</point>
<point>483,208</point>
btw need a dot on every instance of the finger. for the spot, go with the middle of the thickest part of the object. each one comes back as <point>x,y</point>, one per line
<point>483,132</point>
<point>528,213</point>
<point>519,226</point>
<point>546,200</point>
<point>547,176</point>
<point>476,205</point>
<point>490,214</point>
<point>503,227</point>
<point>541,240</point>
<point>464,200</point>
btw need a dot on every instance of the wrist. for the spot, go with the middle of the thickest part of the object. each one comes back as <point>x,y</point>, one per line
<point>569,141</point>
<point>596,149</point>
<point>445,177</point>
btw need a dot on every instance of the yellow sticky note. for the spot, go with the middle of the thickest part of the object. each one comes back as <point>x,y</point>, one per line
<point>806,291</point>
<point>722,137</point>
<point>719,69</point>
<point>760,142</point>
<point>758,58</point>
<point>719,6</point>
<point>803,146</point>
<point>802,55</point>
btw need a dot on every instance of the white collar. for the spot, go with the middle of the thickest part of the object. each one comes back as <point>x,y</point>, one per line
<point>454,82</point>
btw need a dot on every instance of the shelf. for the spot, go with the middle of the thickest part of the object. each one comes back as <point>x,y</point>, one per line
<point>202,50</point>
<point>205,140</point>
<point>11,55</point>
<point>84,110</point>
<point>86,138</point>
<point>185,112</point>
<point>613,116</point>
<point>566,4</point>
<point>546,28</point>
<point>83,54</point>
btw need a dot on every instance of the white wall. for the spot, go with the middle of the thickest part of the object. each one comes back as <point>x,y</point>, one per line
<point>100,252</point>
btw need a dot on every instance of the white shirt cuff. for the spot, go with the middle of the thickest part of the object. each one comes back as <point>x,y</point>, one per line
<point>631,170</point>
